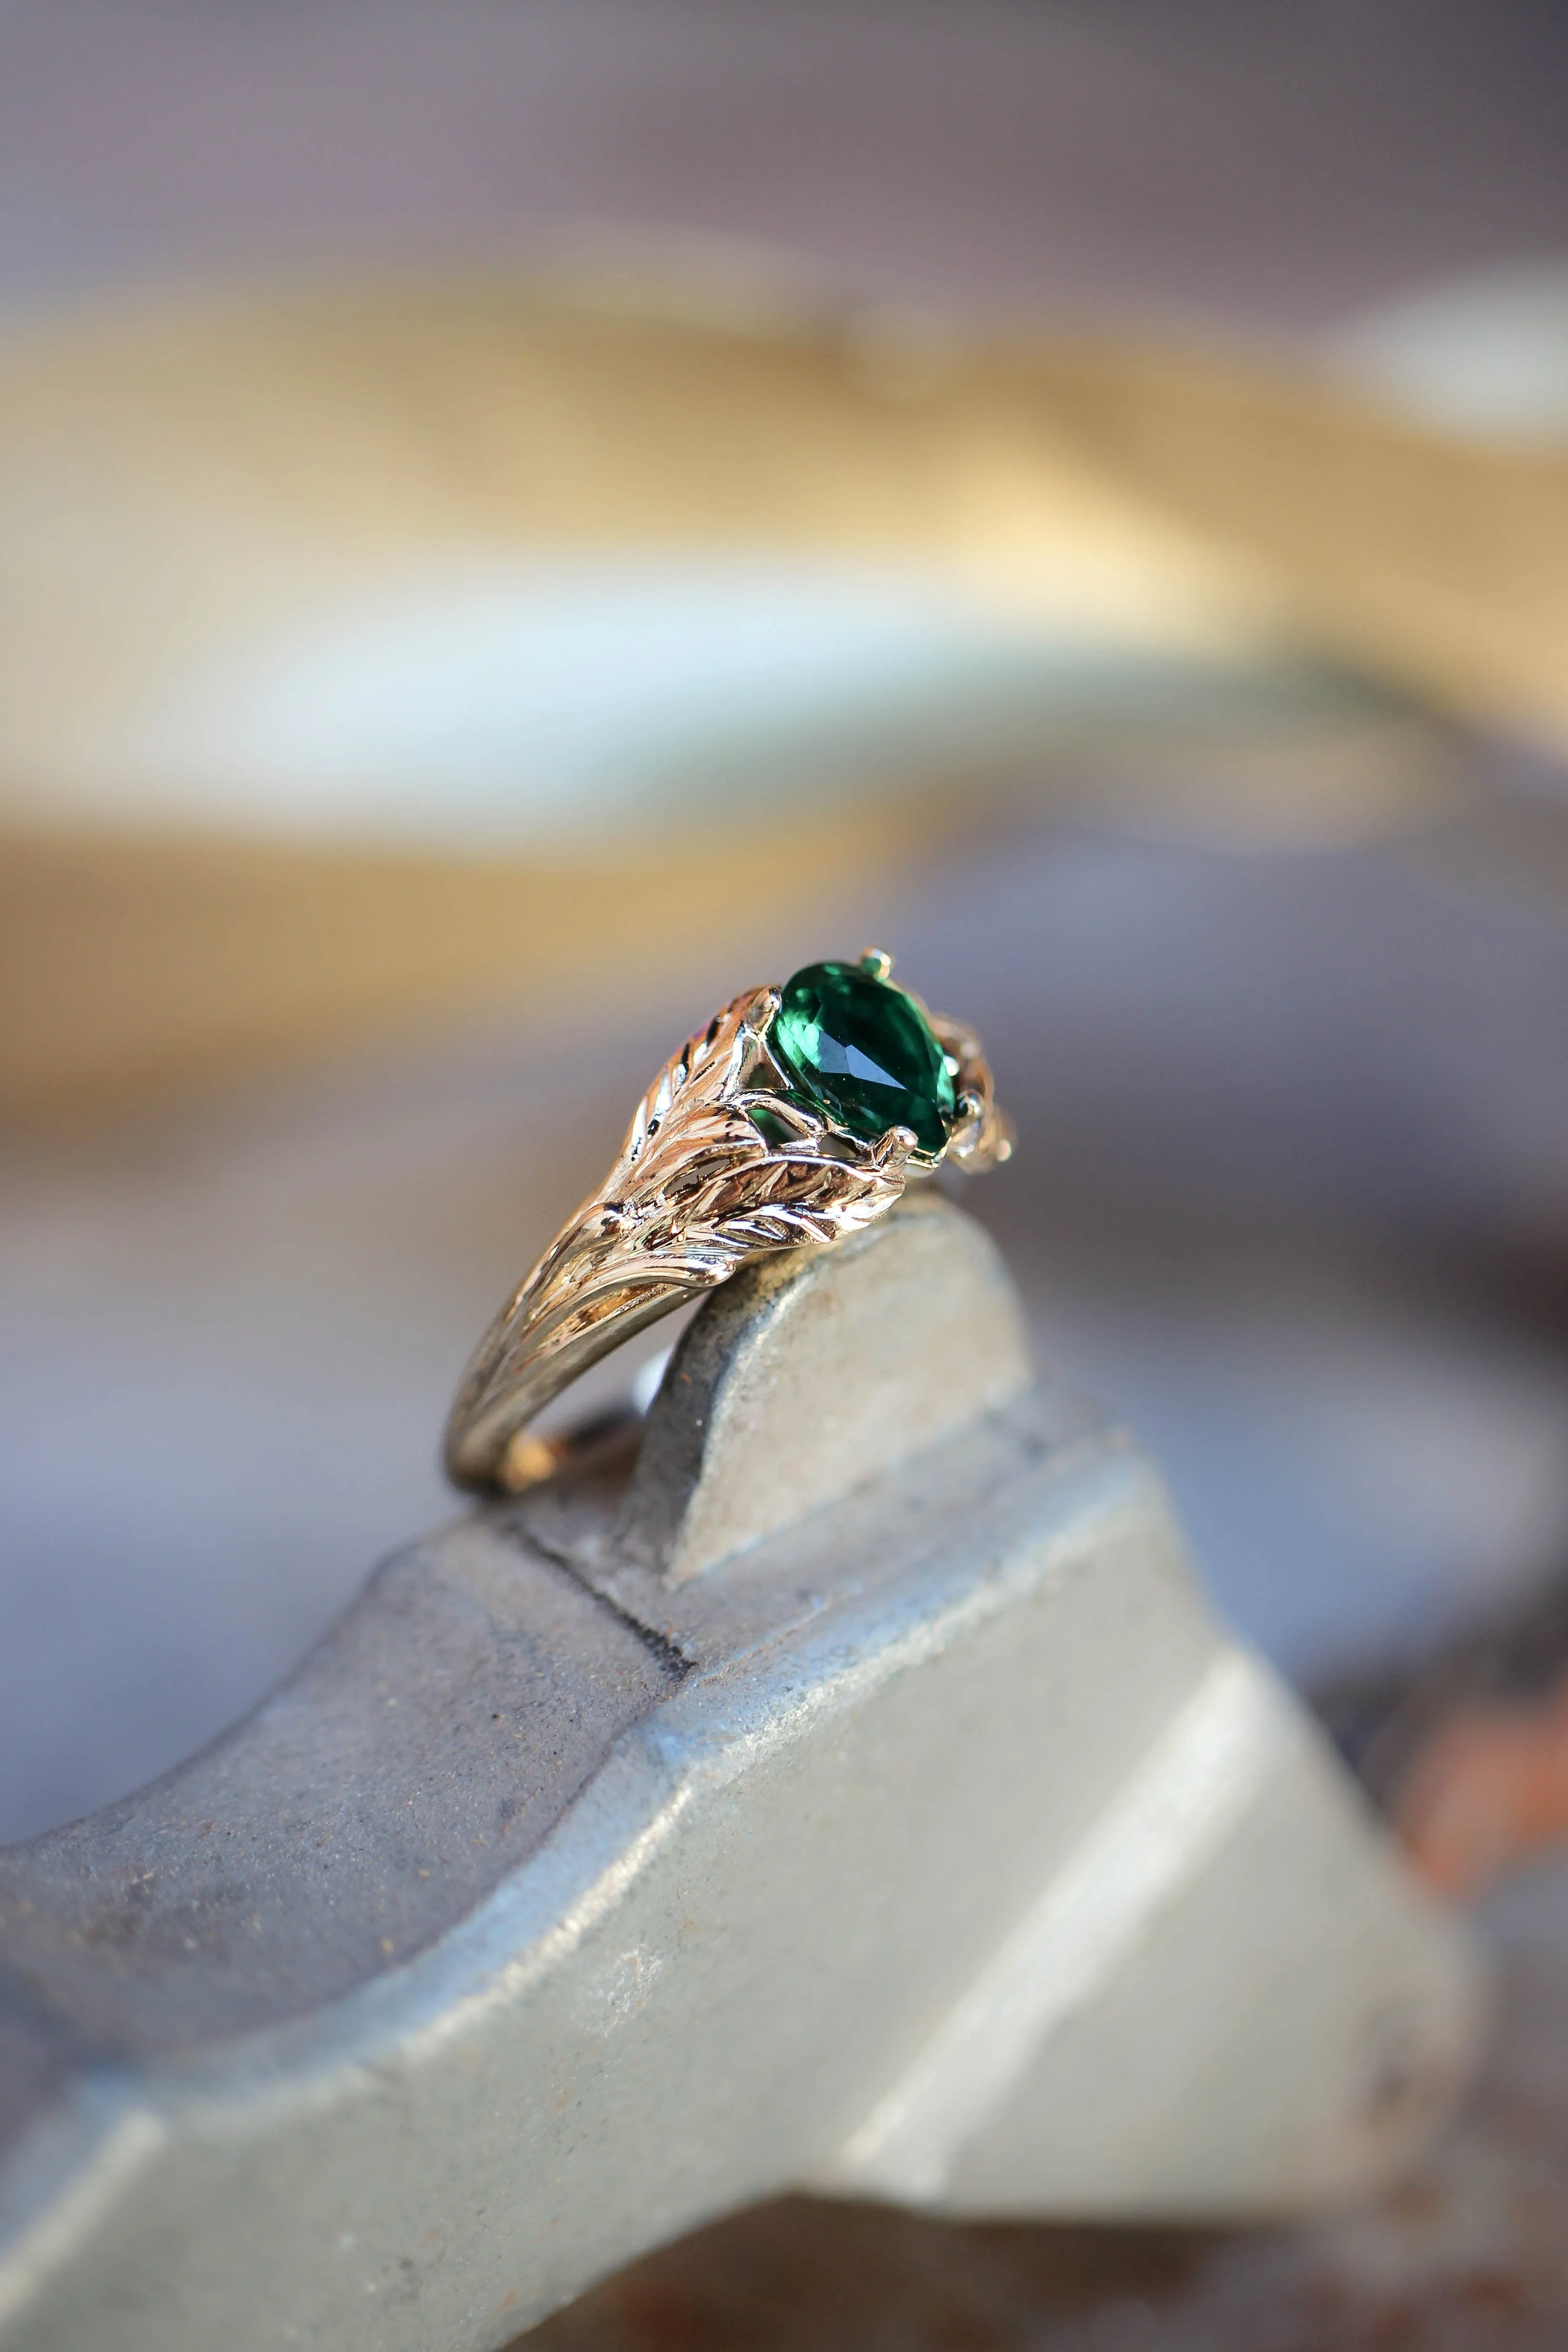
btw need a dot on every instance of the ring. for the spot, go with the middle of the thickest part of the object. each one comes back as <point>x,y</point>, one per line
<point>796,1116</point>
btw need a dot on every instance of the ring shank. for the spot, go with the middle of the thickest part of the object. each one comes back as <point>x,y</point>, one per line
<point>515,1373</point>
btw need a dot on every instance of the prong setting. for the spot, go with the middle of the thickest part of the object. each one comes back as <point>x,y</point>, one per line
<point>895,1148</point>
<point>982,1134</point>
<point>725,1162</point>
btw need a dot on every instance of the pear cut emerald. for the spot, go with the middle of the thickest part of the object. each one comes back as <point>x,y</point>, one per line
<point>862,1052</point>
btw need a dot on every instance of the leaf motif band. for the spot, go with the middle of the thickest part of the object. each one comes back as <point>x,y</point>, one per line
<point>723,1163</point>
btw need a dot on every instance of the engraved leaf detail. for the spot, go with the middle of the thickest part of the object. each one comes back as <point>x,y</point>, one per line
<point>698,1189</point>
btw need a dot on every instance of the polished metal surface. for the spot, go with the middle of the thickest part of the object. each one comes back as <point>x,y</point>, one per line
<point>852,1792</point>
<point>722,1165</point>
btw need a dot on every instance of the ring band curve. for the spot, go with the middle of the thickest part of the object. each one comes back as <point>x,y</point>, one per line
<point>762,1133</point>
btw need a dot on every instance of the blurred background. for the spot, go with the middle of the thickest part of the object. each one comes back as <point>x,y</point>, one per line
<point>517,520</point>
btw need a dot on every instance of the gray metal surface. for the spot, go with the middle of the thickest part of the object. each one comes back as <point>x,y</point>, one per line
<point>852,1792</point>
<point>1467,2252</point>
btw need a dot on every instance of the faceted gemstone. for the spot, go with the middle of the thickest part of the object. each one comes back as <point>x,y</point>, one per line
<point>861,1051</point>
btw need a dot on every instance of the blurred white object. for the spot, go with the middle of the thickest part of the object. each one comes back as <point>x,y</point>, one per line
<point>499,703</point>
<point>1484,355</point>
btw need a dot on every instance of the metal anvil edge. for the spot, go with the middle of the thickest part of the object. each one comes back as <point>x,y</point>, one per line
<point>851,1791</point>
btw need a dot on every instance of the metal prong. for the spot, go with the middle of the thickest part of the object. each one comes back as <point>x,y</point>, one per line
<point>895,1145</point>
<point>969,1114</point>
<point>753,1040</point>
<point>875,962</point>
<point>800,1125</point>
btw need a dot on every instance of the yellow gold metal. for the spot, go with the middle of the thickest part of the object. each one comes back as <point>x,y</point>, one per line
<point>697,1192</point>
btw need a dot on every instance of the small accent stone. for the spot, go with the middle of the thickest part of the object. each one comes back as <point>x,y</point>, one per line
<point>862,1052</point>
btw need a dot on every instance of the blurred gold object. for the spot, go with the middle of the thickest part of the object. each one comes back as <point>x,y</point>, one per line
<point>1437,562</point>
<point>129,960</point>
<point>177,485</point>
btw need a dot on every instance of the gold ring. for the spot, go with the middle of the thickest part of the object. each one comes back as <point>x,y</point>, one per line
<point>796,1116</point>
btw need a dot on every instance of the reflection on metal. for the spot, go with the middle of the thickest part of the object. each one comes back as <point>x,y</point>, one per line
<point>851,1791</point>
<point>723,1163</point>
<point>1194,1787</point>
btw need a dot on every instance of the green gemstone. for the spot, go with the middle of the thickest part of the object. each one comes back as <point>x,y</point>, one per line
<point>861,1051</point>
